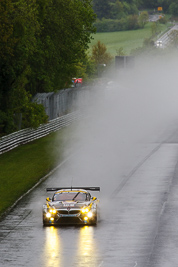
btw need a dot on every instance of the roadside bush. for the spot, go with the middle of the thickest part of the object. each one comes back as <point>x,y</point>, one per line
<point>133,22</point>
<point>163,20</point>
<point>100,55</point>
<point>6,123</point>
<point>148,42</point>
<point>33,115</point>
<point>123,24</point>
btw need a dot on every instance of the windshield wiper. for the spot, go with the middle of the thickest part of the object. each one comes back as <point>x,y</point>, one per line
<point>76,195</point>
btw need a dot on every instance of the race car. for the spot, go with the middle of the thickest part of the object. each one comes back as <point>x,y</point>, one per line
<point>71,206</point>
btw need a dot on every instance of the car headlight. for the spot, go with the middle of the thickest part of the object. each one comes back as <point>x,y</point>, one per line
<point>53,211</point>
<point>90,214</point>
<point>48,215</point>
<point>85,210</point>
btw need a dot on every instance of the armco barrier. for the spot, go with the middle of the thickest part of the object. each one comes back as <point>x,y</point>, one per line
<point>15,139</point>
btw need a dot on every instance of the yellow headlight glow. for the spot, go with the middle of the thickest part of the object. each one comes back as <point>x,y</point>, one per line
<point>85,210</point>
<point>52,219</point>
<point>85,218</point>
<point>90,214</point>
<point>48,215</point>
<point>53,211</point>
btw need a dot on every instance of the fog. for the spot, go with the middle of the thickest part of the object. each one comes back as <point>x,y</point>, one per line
<point>128,111</point>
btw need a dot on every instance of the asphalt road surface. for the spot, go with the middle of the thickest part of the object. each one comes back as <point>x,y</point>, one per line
<point>137,226</point>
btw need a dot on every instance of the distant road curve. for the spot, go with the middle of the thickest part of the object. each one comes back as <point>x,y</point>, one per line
<point>166,39</point>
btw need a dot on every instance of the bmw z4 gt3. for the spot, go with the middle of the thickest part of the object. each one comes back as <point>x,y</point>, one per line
<point>71,206</point>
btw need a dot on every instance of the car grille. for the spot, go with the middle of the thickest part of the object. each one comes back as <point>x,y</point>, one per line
<point>63,211</point>
<point>74,211</point>
<point>68,212</point>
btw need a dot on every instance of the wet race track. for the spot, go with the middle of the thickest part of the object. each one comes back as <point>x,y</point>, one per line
<point>137,227</point>
<point>138,199</point>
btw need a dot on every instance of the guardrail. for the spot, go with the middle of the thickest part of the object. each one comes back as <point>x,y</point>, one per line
<point>21,137</point>
<point>166,38</point>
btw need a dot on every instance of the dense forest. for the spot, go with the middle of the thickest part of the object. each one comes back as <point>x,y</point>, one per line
<point>121,15</point>
<point>42,44</point>
<point>116,9</point>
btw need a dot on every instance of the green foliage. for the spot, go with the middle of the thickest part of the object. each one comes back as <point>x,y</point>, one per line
<point>148,42</point>
<point>154,4</point>
<point>163,20</point>
<point>120,52</point>
<point>86,68</point>
<point>6,122</point>
<point>130,8</point>
<point>101,8</point>
<point>100,54</point>
<point>41,45</point>
<point>14,67</point>
<point>150,3</point>
<point>114,9</point>
<point>133,22</point>
<point>173,8</point>
<point>155,28</point>
<point>33,115</point>
<point>65,35</point>
<point>90,67</point>
<point>117,10</point>
<point>7,40</point>
<point>143,18</point>
<point>110,25</point>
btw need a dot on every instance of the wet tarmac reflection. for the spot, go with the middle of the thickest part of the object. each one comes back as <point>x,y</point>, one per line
<point>87,248</point>
<point>52,248</point>
<point>70,246</point>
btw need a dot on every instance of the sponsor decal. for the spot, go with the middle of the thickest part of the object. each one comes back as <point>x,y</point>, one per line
<point>69,205</point>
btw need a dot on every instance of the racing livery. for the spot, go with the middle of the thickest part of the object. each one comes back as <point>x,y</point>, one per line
<point>71,206</point>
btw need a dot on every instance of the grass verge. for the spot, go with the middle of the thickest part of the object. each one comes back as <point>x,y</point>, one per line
<point>22,167</point>
<point>127,39</point>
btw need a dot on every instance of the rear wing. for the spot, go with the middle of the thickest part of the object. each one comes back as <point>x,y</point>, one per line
<point>71,188</point>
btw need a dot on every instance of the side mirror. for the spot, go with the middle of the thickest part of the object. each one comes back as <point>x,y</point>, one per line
<point>94,198</point>
<point>48,199</point>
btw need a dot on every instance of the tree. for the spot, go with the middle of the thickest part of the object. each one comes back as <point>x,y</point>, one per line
<point>149,3</point>
<point>143,18</point>
<point>101,8</point>
<point>42,42</point>
<point>155,28</point>
<point>86,68</point>
<point>100,54</point>
<point>133,22</point>
<point>165,4</point>
<point>7,40</point>
<point>21,18</point>
<point>117,10</point>
<point>173,8</point>
<point>120,52</point>
<point>64,38</point>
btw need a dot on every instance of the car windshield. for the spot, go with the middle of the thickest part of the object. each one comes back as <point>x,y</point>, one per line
<point>65,196</point>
